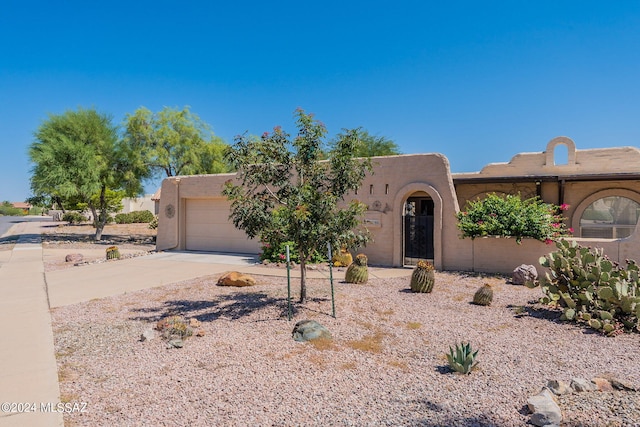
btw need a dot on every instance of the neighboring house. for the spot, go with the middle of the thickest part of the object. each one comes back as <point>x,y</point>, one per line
<point>413,200</point>
<point>144,203</point>
<point>26,207</point>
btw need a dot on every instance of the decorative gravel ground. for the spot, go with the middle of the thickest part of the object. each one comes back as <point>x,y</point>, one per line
<point>64,239</point>
<point>386,363</point>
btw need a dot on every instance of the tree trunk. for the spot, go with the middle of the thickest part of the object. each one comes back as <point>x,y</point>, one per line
<point>102,217</point>
<point>303,280</point>
<point>58,200</point>
<point>94,214</point>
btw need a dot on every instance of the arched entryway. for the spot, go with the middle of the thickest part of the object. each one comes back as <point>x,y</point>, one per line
<point>433,205</point>
<point>418,228</point>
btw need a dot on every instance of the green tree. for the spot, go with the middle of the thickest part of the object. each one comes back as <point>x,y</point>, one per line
<point>373,145</point>
<point>286,193</point>
<point>174,142</point>
<point>78,156</point>
<point>112,202</point>
<point>6,208</point>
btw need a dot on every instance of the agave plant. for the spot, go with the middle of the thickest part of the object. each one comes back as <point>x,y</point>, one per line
<point>463,359</point>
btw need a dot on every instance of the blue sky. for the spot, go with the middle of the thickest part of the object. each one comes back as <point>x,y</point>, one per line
<point>476,81</point>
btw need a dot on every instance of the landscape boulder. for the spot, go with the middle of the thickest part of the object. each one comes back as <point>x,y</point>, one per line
<point>234,278</point>
<point>73,258</point>
<point>148,334</point>
<point>544,409</point>
<point>307,330</point>
<point>559,387</point>
<point>581,385</point>
<point>524,273</point>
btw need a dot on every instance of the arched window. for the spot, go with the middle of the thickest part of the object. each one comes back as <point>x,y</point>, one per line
<point>612,217</point>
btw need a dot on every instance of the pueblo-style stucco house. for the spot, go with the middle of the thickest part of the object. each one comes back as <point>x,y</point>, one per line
<point>413,200</point>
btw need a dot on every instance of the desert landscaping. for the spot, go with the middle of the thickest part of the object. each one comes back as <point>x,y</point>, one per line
<point>385,363</point>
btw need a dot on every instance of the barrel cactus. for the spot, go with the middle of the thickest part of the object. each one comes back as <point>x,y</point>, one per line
<point>342,258</point>
<point>484,295</point>
<point>113,252</point>
<point>423,277</point>
<point>357,271</point>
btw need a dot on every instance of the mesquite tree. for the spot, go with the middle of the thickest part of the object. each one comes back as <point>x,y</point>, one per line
<point>78,156</point>
<point>287,193</point>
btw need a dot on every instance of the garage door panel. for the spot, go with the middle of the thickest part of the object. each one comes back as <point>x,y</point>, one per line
<point>208,228</point>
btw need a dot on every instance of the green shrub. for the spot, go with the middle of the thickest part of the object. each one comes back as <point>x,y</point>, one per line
<point>278,253</point>
<point>74,217</point>
<point>135,217</point>
<point>591,289</point>
<point>7,209</point>
<point>140,217</point>
<point>153,225</point>
<point>510,216</point>
<point>123,218</point>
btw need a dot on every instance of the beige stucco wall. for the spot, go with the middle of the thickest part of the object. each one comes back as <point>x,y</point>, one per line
<point>591,161</point>
<point>500,255</point>
<point>396,178</point>
<point>143,203</point>
<point>574,180</point>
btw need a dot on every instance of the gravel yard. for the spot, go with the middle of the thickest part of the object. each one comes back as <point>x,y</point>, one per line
<point>59,240</point>
<point>386,363</point>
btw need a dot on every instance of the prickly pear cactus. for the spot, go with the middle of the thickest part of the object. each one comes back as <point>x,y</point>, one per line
<point>484,295</point>
<point>592,289</point>
<point>113,252</point>
<point>423,277</point>
<point>357,271</point>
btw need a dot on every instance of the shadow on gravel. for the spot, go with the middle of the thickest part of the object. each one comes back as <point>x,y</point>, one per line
<point>481,420</point>
<point>537,312</point>
<point>444,369</point>
<point>233,306</point>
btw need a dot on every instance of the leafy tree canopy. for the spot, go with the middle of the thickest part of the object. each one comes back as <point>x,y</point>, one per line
<point>374,145</point>
<point>77,156</point>
<point>174,142</point>
<point>287,193</point>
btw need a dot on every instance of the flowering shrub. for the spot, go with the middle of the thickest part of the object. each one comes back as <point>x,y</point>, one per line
<point>510,216</point>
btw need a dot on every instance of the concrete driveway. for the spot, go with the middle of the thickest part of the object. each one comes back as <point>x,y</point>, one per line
<point>83,283</point>
<point>207,257</point>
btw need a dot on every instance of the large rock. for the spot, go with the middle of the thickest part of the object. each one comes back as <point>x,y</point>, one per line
<point>618,383</point>
<point>544,409</point>
<point>602,384</point>
<point>234,278</point>
<point>524,273</point>
<point>148,334</point>
<point>559,387</point>
<point>307,330</point>
<point>73,258</point>
<point>581,385</point>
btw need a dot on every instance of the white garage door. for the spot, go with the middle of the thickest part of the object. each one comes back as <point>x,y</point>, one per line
<point>208,228</point>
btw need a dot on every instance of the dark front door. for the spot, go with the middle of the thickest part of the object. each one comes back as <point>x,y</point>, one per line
<point>418,229</point>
